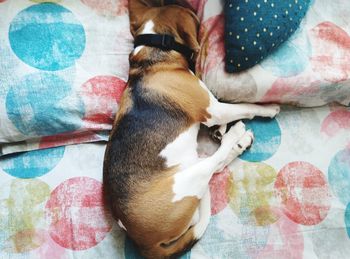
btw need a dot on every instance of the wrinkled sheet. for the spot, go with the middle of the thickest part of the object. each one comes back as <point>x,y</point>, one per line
<point>70,94</point>
<point>287,197</point>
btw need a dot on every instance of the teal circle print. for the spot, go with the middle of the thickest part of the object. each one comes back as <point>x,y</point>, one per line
<point>347,219</point>
<point>43,104</point>
<point>131,252</point>
<point>47,36</point>
<point>267,139</point>
<point>288,60</point>
<point>33,163</point>
<point>339,175</point>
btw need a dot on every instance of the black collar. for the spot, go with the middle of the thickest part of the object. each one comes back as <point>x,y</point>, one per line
<point>164,42</point>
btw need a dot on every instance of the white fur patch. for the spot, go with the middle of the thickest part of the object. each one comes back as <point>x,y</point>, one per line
<point>147,29</point>
<point>204,215</point>
<point>192,182</point>
<point>213,106</point>
<point>183,150</point>
<point>120,224</point>
<point>195,217</point>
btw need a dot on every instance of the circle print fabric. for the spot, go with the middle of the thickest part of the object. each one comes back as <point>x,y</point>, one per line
<point>32,164</point>
<point>37,105</point>
<point>267,139</point>
<point>339,175</point>
<point>79,219</point>
<point>304,193</point>
<point>47,36</point>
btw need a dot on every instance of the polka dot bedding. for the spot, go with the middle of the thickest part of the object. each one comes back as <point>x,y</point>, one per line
<point>64,66</point>
<point>286,197</point>
<point>254,29</point>
<point>311,68</point>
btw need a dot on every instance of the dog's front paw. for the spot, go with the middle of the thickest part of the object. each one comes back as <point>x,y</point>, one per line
<point>245,142</point>
<point>235,132</point>
<point>272,110</point>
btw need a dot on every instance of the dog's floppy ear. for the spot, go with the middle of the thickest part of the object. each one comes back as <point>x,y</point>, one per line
<point>137,9</point>
<point>188,31</point>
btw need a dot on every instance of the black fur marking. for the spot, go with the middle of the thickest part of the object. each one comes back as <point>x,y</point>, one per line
<point>187,248</point>
<point>141,134</point>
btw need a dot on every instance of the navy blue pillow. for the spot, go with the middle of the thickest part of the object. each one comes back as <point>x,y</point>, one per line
<point>254,28</point>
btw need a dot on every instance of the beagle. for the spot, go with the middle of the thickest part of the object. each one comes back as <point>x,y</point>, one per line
<point>154,182</point>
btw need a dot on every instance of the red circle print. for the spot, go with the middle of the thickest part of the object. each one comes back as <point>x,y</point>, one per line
<point>335,122</point>
<point>304,193</point>
<point>285,239</point>
<point>331,52</point>
<point>289,90</point>
<point>211,35</point>
<point>101,95</point>
<point>78,218</point>
<point>108,7</point>
<point>219,185</point>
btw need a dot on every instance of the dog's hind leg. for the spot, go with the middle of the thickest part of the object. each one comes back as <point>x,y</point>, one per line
<point>193,181</point>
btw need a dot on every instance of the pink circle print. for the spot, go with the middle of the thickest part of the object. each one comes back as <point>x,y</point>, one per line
<point>108,7</point>
<point>101,95</point>
<point>335,122</point>
<point>219,185</point>
<point>304,193</point>
<point>331,52</point>
<point>78,218</point>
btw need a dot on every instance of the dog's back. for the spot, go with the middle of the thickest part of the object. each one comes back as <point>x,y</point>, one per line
<point>135,173</point>
<point>162,101</point>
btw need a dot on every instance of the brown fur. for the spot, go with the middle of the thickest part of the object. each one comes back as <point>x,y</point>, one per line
<point>137,183</point>
<point>182,88</point>
<point>155,221</point>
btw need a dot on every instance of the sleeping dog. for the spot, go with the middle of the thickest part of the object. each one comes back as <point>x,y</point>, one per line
<point>154,181</point>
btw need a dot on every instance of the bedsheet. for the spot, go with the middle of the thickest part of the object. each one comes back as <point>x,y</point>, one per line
<point>287,197</point>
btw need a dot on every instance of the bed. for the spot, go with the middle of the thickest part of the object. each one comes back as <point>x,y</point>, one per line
<point>287,197</point>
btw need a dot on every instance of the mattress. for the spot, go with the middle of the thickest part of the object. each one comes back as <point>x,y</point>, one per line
<point>287,197</point>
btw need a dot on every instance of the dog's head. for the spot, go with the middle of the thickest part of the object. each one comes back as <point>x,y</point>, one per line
<point>175,17</point>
